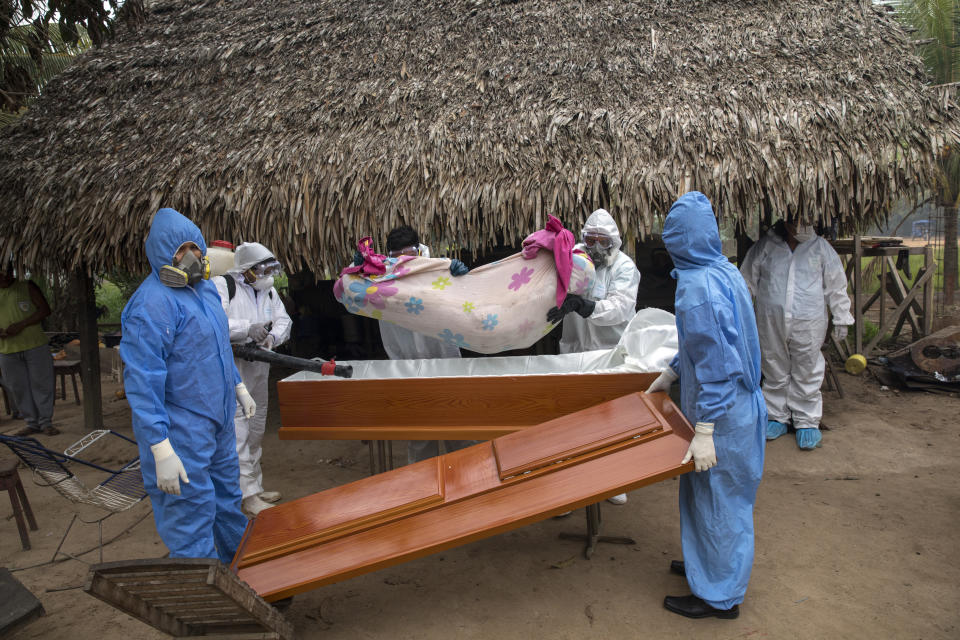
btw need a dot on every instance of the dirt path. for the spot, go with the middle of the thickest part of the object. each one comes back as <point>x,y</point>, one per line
<point>857,539</point>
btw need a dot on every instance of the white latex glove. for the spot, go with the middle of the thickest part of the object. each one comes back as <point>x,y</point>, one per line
<point>258,331</point>
<point>246,401</point>
<point>268,343</point>
<point>840,332</point>
<point>170,470</point>
<point>701,448</point>
<point>663,381</point>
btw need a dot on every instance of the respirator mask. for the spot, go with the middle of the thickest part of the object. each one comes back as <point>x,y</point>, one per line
<point>189,270</point>
<point>804,232</point>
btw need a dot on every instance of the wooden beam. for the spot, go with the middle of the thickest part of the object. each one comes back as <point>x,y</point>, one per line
<point>928,287</point>
<point>857,293</point>
<point>89,352</point>
<point>882,288</point>
<point>899,310</point>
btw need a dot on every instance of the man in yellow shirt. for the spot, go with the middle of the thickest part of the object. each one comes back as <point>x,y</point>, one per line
<point>25,360</point>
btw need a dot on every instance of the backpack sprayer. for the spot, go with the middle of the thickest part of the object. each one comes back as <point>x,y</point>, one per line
<point>250,351</point>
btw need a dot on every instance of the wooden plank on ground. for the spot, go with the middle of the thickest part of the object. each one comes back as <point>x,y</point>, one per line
<point>194,597</point>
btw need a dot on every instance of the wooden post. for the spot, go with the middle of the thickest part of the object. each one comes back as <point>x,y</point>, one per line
<point>858,293</point>
<point>883,286</point>
<point>928,288</point>
<point>89,351</point>
<point>743,245</point>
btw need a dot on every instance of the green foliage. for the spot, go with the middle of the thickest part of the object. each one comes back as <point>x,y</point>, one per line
<point>111,300</point>
<point>935,23</point>
<point>38,38</point>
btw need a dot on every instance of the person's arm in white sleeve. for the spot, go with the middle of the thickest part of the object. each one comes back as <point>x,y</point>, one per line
<point>620,305</point>
<point>238,326</point>
<point>280,331</point>
<point>750,269</point>
<point>835,285</point>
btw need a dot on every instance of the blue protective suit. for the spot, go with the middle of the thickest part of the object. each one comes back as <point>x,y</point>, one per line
<point>180,381</point>
<point>719,366</point>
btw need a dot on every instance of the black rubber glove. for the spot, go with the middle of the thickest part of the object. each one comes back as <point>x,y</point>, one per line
<point>572,302</point>
<point>457,268</point>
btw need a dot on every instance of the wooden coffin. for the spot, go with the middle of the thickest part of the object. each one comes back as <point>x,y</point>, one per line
<point>514,480</point>
<point>453,408</point>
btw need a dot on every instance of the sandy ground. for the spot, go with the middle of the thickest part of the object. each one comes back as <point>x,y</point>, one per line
<point>857,539</point>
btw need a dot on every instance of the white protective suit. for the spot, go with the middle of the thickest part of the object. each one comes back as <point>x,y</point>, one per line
<point>793,290</point>
<point>614,290</point>
<point>250,306</point>
<point>403,344</point>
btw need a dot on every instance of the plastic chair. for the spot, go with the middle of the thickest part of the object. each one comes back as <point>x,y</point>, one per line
<point>122,489</point>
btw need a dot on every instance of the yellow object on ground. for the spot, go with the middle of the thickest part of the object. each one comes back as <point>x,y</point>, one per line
<point>855,364</point>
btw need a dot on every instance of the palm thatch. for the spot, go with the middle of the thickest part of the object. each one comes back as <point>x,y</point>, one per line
<point>305,125</point>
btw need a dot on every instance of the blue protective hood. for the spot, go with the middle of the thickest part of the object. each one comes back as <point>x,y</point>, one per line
<point>690,232</point>
<point>168,231</point>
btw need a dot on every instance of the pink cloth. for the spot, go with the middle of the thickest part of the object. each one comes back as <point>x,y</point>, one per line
<point>372,264</point>
<point>559,240</point>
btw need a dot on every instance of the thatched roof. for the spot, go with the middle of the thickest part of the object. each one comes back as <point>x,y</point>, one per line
<point>305,125</point>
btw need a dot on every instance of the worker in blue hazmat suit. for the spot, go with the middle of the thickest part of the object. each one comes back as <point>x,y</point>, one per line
<point>600,316</point>
<point>796,277</point>
<point>718,364</point>
<point>403,344</point>
<point>183,387</point>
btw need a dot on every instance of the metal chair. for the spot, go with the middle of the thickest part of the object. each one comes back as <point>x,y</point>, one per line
<point>122,489</point>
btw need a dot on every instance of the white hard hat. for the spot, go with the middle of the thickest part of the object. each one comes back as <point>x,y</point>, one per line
<point>249,254</point>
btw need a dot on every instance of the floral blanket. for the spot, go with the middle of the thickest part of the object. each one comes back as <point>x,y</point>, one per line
<point>496,307</point>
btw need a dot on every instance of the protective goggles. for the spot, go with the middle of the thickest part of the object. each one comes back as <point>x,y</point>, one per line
<point>594,239</point>
<point>412,250</point>
<point>267,268</point>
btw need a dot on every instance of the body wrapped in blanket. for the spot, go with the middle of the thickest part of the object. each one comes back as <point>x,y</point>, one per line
<point>496,307</point>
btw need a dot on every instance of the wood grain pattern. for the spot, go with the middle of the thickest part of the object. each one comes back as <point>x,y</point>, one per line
<point>613,422</point>
<point>477,504</point>
<point>313,519</point>
<point>460,408</point>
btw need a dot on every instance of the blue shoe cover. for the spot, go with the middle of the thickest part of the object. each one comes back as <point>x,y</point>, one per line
<point>775,429</point>
<point>808,438</point>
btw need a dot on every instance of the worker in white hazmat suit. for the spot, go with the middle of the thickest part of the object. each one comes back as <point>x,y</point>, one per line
<point>601,315</point>
<point>255,314</point>
<point>795,277</point>
<point>404,344</point>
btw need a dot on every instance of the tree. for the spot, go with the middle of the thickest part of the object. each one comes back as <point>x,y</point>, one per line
<point>39,37</point>
<point>935,24</point>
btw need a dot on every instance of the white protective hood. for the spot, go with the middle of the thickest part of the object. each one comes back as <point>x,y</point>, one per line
<point>600,221</point>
